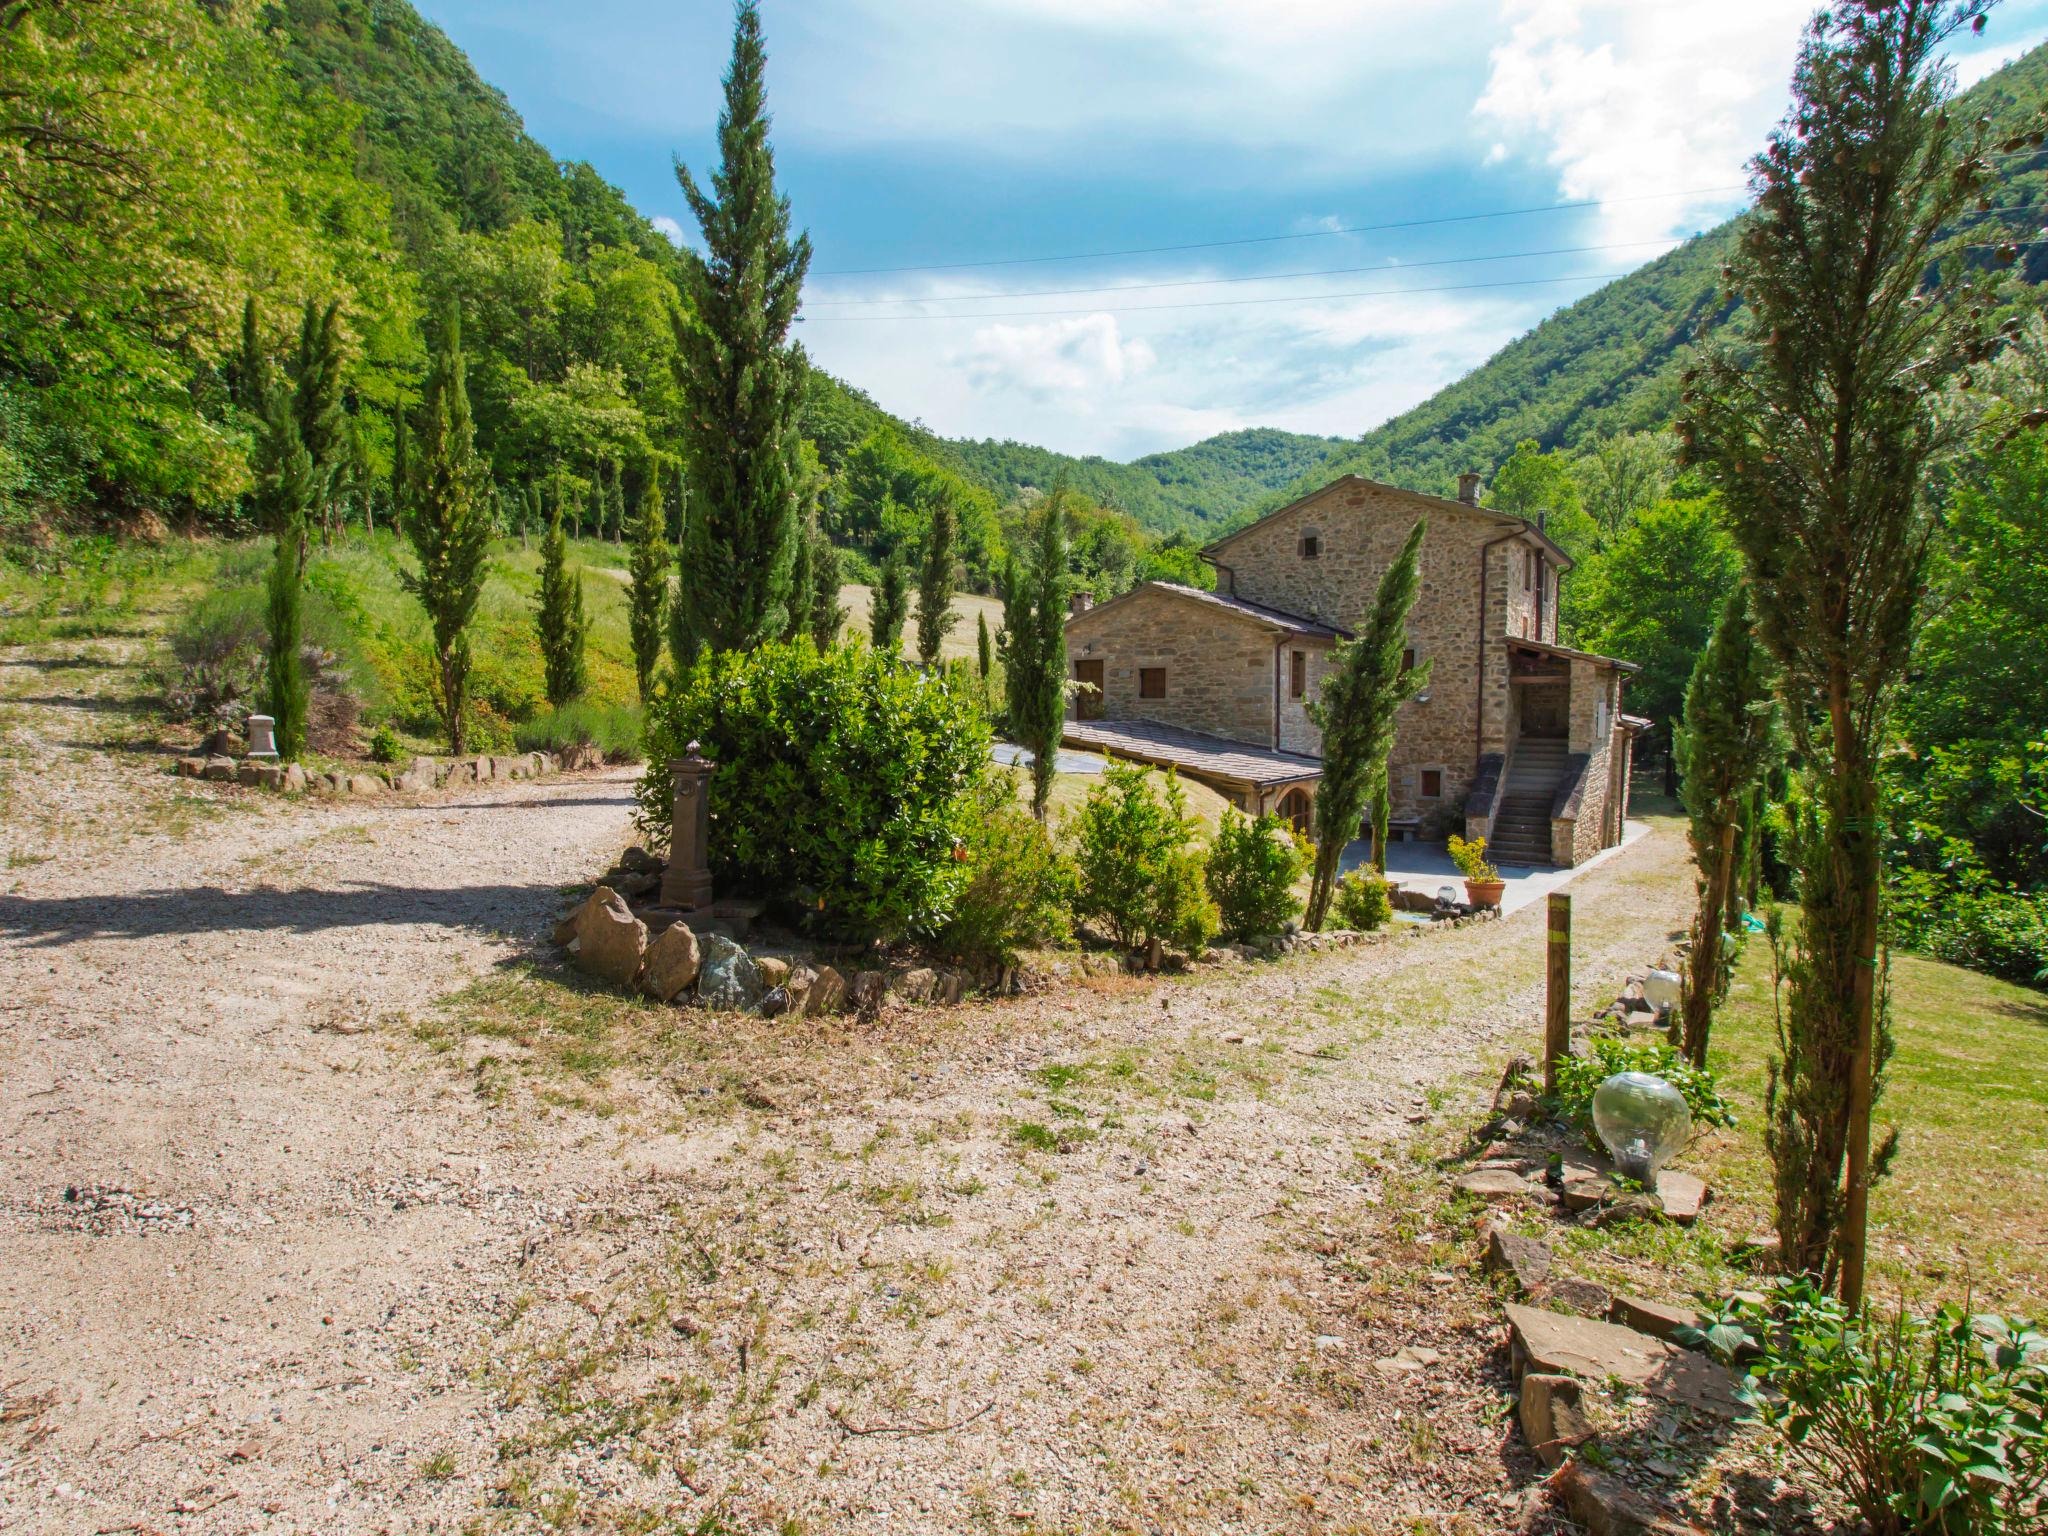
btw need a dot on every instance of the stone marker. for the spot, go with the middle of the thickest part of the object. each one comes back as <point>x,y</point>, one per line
<point>262,736</point>
<point>673,961</point>
<point>729,982</point>
<point>1576,1346</point>
<point>1553,1421</point>
<point>1523,1260</point>
<point>610,941</point>
<point>686,884</point>
<point>828,991</point>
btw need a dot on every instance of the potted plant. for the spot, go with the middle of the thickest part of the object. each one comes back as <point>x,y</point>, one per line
<point>1483,884</point>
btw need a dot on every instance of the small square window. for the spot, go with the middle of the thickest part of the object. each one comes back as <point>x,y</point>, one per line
<point>1408,659</point>
<point>1151,682</point>
<point>1297,677</point>
<point>1432,783</point>
<point>1311,546</point>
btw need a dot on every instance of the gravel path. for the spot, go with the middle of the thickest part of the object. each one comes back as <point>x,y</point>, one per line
<point>1124,1256</point>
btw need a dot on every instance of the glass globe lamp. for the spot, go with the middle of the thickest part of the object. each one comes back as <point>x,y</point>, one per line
<point>1662,989</point>
<point>1643,1122</point>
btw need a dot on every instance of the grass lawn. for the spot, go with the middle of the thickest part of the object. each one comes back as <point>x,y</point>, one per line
<point>961,640</point>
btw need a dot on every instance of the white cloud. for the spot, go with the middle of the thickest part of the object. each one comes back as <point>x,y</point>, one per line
<point>668,227</point>
<point>1079,358</point>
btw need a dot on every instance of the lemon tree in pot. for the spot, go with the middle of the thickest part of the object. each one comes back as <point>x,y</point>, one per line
<point>1483,884</point>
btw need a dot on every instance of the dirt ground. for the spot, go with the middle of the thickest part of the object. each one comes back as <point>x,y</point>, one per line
<point>304,1229</point>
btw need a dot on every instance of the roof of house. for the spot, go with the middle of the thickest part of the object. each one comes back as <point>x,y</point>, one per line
<point>1507,520</point>
<point>1271,618</point>
<point>1638,723</point>
<point>1169,746</point>
<point>1568,654</point>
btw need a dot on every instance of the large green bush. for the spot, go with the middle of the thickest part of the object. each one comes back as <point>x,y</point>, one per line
<point>842,777</point>
<point>614,729</point>
<point>1363,901</point>
<point>1253,866</point>
<point>1140,871</point>
<point>1983,926</point>
<point>1580,1077</point>
<point>1019,885</point>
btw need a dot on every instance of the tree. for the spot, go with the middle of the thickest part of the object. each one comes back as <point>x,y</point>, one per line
<point>447,517</point>
<point>741,379</point>
<point>984,661</point>
<point>559,618</point>
<point>286,488</point>
<point>1621,477</point>
<point>647,598</point>
<point>316,404</point>
<point>248,376</point>
<point>1728,744</point>
<point>800,578</point>
<point>935,582</point>
<point>1817,423</point>
<point>826,614</point>
<point>1362,691</point>
<point>1141,873</point>
<point>1539,486</point>
<point>888,607</point>
<point>614,501</point>
<point>1033,645</point>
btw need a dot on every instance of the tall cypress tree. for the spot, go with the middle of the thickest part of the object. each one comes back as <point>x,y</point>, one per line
<point>1363,690</point>
<point>447,517</point>
<point>741,379</point>
<point>249,377</point>
<point>800,578</point>
<point>647,608</point>
<point>1727,744</point>
<point>286,490</point>
<point>889,606</point>
<point>317,404</point>
<point>615,502</point>
<point>1817,421</point>
<point>826,616</point>
<point>1033,645</point>
<point>559,618</point>
<point>935,581</point>
<point>983,661</point>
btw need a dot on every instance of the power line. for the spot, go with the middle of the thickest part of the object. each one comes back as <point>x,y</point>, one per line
<point>1260,277</point>
<point>1309,234</point>
<point>1288,298</point>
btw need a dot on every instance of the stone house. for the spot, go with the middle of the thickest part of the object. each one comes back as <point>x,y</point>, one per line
<point>1517,738</point>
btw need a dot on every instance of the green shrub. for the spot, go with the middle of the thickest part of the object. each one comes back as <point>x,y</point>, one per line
<point>1363,901</point>
<point>1019,885</point>
<point>614,729</point>
<point>215,667</point>
<point>843,778</point>
<point>1924,1424</point>
<point>385,747</point>
<point>1990,928</point>
<point>1252,868</point>
<point>1580,1077</point>
<point>1140,871</point>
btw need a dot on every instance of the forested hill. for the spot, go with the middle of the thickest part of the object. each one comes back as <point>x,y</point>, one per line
<point>1611,362</point>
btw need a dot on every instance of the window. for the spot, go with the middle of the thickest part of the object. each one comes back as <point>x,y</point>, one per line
<point>1408,659</point>
<point>1311,545</point>
<point>1297,674</point>
<point>1432,783</point>
<point>1528,570</point>
<point>1294,810</point>
<point>1151,682</point>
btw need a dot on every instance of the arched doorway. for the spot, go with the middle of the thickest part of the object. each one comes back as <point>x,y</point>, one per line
<point>1293,809</point>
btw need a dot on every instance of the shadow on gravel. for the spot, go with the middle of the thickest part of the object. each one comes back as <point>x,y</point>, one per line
<point>623,798</point>
<point>90,703</point>
<point>497,910</point>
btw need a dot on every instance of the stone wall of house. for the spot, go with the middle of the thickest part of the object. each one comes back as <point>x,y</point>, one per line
<point>1219,668</point>
<point>1596,730</point>
<point>1298,733</point>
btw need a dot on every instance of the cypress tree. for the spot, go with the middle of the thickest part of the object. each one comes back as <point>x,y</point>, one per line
<point>1363,689</point>
<point>286,488</point>
<point>1728,742</point>
<point>741,379</point>
<point>983,661</point>
<point>590,521</point>
<point>1033,645</point>
<point>317,404</point>
<point>249,375</point>
<point>648,594</point>
<point>1382,814</point>
<point>1818,423</point>
<point>447,517</point>
<point>826,615</point>
<point>615,502</point>
<point>401,464</point>
<point>935,582</point>
<point>889,607</point>
<point>559,617</point>
<point>800,578</point>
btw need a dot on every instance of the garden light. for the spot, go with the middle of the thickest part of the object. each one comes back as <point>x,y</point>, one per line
<point>1643,1121</point>
<point>1661,990</point>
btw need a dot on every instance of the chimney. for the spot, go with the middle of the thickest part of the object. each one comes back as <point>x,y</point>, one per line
<point>1468,487</point>
<point>1080,603</point>
<point>1542,521</point>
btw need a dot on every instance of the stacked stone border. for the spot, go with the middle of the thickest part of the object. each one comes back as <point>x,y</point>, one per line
<point>419,776</point>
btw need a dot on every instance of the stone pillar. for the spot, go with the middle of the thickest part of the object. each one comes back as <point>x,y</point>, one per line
<point>262,736</point>
<point>687,881</point>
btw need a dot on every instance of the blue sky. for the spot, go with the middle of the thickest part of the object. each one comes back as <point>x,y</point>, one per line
<point>947,135</point>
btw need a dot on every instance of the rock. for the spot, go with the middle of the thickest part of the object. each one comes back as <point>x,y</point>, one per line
<point>774,1002</point>
<point>260,775</point>
<point>801,979</point>
<point>331,783</point>
<point>482,769</point>
<point>685,1325</point>
<point>1492,1184</point>
<point>219,742</point>
<point>915,986</point>
<point>827,992</point>
<point>610,941</point>
<point>1633,1207</point>
<point>951,985</point>
<point>672,963</point>
<point>1570,1294</point>
<point>365,784</point>
<point>1606,1506</point>
<point>191,768</point>
<point>581,756</point>
<point>419,776</point>
<point>1561,1345</point>
<point>638,861</point>
<point>1583,1180</point>
<point>729,982</point>
<point>866,990</point>
<point>1758,1251</point>
<point>774,972</point>
<point>1524,1260</point>
<point>219,769</point>
<point>1655,1318</point>
<point>1681,1195</point>
<point>294,779</point>
<point>565,930</point>
<point>634,885</point>
<point>1553,1422</point>
<point>1407,1360</point>
<point>1222,954</point>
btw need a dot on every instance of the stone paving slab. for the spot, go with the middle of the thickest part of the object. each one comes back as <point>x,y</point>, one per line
<point>1563,1345</point>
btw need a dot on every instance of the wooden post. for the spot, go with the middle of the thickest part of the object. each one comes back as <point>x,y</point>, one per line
<point>1557,999</point>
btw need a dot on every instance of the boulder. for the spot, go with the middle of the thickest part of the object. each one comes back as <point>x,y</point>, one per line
<point>828,991</point>
<point>774,972</point>
<point>419,776</point>
<point>729,982</point>
<point>1553,1420</point>
<point>333,782</point>
<point>915,986</point>
<point>950,985</point>
<point>1524,1260</point>
<point>610,941</point>
<point>294,779</point>
<point>1606,1506</point>
<point>801,979</point>
<point>191,767</point>
<point>219,769</point>
<point>866,990</point>
<point>774,1002</point>
<point>365,784</point>
<point>672,963</point>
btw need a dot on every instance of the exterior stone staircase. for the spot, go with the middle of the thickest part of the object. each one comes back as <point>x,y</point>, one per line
<point>1521,826</point>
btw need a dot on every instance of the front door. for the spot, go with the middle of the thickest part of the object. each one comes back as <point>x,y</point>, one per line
<point>1544,709</point>
<point>1088,702</point>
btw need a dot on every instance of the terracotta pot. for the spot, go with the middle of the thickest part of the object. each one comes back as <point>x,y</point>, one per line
<point>1485,893</point>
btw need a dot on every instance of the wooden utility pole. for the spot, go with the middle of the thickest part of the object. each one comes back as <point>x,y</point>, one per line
<point>1557,1000</point>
